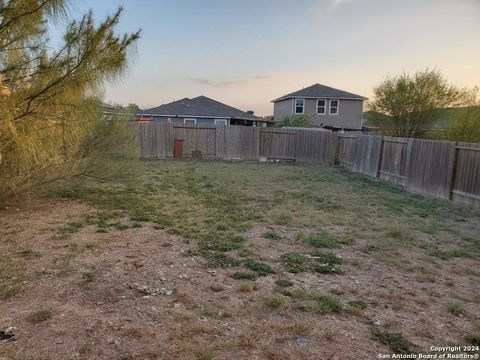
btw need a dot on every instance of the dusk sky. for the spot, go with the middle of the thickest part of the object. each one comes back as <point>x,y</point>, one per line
<point>247,52</point>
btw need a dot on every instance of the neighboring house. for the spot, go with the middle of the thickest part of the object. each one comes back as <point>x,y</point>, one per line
<point>327,107</point>
<point>111,112</point>
<point>199,110</point>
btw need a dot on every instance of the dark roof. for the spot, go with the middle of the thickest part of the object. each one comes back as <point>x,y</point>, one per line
<point>199,106</point>
<point>321,91</point>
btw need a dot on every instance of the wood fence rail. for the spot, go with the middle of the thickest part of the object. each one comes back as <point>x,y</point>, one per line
<point>442,169</point>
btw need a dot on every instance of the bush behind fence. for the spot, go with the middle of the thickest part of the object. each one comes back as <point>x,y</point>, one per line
<point>443,169</point>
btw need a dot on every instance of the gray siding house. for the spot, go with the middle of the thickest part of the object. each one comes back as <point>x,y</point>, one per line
<point>327,107</point>
<point>199,110</point>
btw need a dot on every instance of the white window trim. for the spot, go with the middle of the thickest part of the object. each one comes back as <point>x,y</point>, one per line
<point>189,120</point>
<point>295,107</point>
<point>330,107</point>
<point>324,107</point>
<point>221,122</point>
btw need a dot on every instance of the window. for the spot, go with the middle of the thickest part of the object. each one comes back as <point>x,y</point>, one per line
<point>221,122</point>
<point>321,106</point>
<point>189,121</point>
<point>334,104</point>
<point>299,106</point>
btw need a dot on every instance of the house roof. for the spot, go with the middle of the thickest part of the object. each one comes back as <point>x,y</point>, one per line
<point>321,91</point>
<point>199,106</point>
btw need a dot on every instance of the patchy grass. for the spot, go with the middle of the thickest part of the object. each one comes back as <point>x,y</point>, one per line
<point>12,275</point>
<point>245,275</point>
<point>396,341</point>
<point>473,340</point>
<point>357,304</point>
<point>40,316</point>
<point>261,268</point>
<point>283,283</point>
<point>271,235</point>
<point>215,223</point>
<point>450,254</point>
<point>456,309</point>
<point>88,276</point>
<point>245,287</point>
<point>30,254</point>
<point>272,303</point>
<point>320,262</point>
<point>295,263</point>
<point>314,302</point>
<point>326,262</point>
<point>220,260</point>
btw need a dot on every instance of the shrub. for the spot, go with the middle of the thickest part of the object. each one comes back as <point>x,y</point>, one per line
<point>295,121</point>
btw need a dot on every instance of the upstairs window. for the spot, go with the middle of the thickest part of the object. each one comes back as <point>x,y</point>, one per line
<point>299,106</point>
<point>321,106</point>
<point>334,107</point>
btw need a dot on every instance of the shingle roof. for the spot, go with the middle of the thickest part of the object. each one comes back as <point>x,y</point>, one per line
<point>321,91</point>
<point>199,106</point>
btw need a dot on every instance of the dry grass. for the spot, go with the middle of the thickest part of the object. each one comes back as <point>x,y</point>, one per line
<point>214,260</point>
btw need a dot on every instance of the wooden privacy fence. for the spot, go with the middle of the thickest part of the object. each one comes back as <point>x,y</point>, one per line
<point>443,169</point>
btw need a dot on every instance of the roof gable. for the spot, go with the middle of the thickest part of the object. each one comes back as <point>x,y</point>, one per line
<point>199,106</point>
<point>321,91</point>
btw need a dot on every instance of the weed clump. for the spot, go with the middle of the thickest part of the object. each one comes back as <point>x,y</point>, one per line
<point>294,262</point>
<point>259,267</point>
<point>456,309</point>
<point>244,275</point>
<point>272,303</point>
<point>220,260</point>
<point>314,302</point>
<point>396,341</point>
<point>271,235</point>
<point>283,283</point>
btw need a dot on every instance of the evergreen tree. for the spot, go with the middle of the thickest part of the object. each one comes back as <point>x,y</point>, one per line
<point>49,108</point>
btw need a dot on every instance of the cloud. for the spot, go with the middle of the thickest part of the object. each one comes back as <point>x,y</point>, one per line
<point>226,83</point>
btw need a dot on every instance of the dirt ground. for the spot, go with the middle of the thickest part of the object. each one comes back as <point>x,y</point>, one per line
<point>91,277</point>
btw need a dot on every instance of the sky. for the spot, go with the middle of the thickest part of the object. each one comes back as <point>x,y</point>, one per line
<point>247,52</point>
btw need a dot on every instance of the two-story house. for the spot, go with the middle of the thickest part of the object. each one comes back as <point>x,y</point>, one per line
<point>325,106</point>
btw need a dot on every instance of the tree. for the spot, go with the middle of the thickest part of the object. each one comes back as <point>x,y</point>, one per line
<point>295,121</point>
<point>464,124</point>
<point>408,105</point>
<point>132,108</point>
<point>49,108</point>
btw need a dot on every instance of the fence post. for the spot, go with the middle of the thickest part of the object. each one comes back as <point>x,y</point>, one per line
<point>380,159</point>
<point>454,172</point>
<point>407,160</point>
<point>337,149</point>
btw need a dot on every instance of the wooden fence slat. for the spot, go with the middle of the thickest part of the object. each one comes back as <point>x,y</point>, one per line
<point>431,166</point>
<point>367,154</point>
<point>466,188</point>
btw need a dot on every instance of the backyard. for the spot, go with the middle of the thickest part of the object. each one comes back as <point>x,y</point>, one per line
<point>222,260</point>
